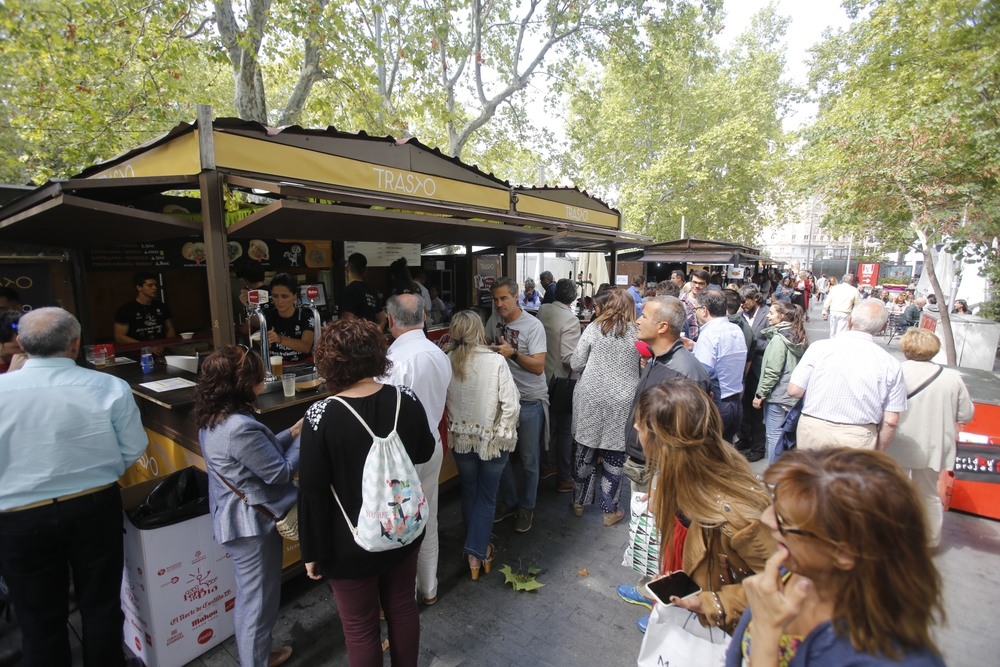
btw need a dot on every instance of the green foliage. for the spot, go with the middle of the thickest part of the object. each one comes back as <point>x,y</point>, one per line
<point>906,147</point>
<point>83,81</point>
<point>522,581</point>
<point>670,126</point>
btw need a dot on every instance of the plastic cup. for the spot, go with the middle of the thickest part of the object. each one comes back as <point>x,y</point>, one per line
<point>100,358</point>
<point>88,353</point>
<point>288,384</point>
<point>276,366</point>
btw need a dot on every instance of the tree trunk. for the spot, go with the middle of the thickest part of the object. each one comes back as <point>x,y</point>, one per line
<point>949,339</point>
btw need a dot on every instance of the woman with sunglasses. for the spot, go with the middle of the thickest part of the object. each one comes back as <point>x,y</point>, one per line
<point>859,587</point>
<point>290,329</point>
<point>247,465</point>
<point>707,481</point>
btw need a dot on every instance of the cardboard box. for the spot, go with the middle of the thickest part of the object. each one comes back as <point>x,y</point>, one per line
<point>178,589</point>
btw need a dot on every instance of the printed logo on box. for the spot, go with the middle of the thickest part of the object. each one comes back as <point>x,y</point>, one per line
<point>173,580</point>
<point>175,637</point>
<point>169,568</point>
<point>138,644</point>
<point>149,640</point>
<point>204,584</point>
<point>230,604</point>
<point>206,636</point>
<point>198,557</point>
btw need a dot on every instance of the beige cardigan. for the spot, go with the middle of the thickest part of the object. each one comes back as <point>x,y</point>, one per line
<point>925,437</point>
<point>484,407</point>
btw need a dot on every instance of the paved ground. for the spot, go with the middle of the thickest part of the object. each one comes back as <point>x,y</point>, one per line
<point>577,620</point>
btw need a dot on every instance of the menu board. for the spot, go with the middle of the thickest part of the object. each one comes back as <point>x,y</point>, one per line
<point>487,273</point>
<point>384,254</point>
<point>190,253</point>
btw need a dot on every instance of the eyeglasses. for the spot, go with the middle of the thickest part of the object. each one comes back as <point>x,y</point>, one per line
<point>772,491</point>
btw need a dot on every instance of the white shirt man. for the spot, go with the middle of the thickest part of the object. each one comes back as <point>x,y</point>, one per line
<point>840,301</point>
<point>419,364</point>
<point>854,390</point>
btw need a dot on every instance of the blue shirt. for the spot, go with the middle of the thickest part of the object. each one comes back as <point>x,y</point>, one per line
<point>637,297</point>
<point>722,346</point>
<point>63,430</point>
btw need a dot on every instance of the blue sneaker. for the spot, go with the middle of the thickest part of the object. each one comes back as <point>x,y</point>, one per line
<point>642,622</point>
<point>631,595</point>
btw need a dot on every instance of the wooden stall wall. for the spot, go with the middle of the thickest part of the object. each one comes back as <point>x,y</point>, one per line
<point>186,292</point>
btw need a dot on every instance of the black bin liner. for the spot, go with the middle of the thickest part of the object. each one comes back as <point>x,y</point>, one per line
<point>181,496</point>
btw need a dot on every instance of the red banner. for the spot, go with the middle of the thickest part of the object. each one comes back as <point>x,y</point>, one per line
<point>868,275</point>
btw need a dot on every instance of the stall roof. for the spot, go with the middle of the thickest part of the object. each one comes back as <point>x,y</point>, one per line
<point>383,189</point>
<point>698,251</point>
<point>570,204</point>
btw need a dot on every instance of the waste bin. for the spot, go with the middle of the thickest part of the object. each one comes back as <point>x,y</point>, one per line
<point>179,587</point>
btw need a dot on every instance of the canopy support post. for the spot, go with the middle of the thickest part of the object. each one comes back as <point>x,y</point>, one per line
<point>613,278</point>
<point>213,220</point>
<point>510,262</point>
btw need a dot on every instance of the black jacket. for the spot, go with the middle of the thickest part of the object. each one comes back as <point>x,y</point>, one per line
<point>673,364</point>
<point>758,325</point>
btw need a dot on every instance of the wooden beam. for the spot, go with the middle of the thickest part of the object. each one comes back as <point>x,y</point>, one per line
<point>510,262</point>
<point>213,220</point>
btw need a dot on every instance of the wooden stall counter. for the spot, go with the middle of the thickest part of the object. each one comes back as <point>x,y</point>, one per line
<point>173,435</point>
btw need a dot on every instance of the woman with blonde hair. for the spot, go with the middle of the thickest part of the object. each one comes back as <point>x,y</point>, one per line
<point>861,588</point>
<point>936,401</point>
<point>602,402</point>
<point>706,480</point>
<point>483,406</point>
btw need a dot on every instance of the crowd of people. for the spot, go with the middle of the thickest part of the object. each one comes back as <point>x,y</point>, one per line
<point>676,387</point>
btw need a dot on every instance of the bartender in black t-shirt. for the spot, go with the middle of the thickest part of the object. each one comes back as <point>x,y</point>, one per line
<point>358,299</point>
<point>145,318</point>
<point>289,329</point>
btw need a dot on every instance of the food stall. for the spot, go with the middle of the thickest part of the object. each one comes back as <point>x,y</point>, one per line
<point>193,203</point>
<point>977,462</point>
<point>689,254</point>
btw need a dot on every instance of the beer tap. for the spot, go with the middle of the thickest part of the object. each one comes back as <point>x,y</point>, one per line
<point>256,300</point>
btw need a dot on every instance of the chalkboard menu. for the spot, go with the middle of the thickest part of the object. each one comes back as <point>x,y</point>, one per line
<point>190,253</point>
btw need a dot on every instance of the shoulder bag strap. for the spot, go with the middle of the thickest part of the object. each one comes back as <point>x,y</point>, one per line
<point>926,382</point>
<point>260,508</point>
<point>350,524</point>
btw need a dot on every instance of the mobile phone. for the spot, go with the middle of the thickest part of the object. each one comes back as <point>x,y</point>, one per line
<point>675,584</point>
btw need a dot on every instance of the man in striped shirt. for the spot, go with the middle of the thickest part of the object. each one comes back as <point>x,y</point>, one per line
<point>854,390</point>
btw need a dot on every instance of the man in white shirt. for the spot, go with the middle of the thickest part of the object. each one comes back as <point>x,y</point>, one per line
<point>854,390</point>
<point>822,287</point>
<point>842,299</point>
<point>419,364</point>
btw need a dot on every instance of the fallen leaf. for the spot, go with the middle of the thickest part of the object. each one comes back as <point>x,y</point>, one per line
<point>583,572</point>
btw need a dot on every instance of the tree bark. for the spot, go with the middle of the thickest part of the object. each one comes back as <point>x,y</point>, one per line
<point>249,99</point>
<point>949,339</point>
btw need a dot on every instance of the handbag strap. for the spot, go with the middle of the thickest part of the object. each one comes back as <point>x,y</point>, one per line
<point>926,382</point>
<point>260,508</point>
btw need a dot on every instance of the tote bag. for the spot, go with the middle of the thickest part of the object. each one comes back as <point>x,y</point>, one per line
<point>393,506</point>
<point>666,642</point>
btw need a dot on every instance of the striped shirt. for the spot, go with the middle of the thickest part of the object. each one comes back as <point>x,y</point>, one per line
<point>850,380</point>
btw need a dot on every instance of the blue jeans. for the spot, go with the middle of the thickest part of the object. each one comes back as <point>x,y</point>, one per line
<point>480,480</point>
<point>529,437</point>
<point>774,417</point>
<point>37,548</point>
<point>257,562</point>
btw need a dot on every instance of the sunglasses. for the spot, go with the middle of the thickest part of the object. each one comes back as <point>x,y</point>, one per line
<point>772,491</point>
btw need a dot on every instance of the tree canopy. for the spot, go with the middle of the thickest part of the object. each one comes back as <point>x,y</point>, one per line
<point>905,146</point>
<point>670,126</point>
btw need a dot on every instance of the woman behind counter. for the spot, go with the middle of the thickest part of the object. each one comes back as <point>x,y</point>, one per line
<point>242,453</point>
<point>335,445</point>
<point>290,329</point>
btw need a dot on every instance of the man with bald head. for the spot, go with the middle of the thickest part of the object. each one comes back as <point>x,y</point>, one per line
<point>419,364</point>
<point>854,390</point>
<point>66,435</point>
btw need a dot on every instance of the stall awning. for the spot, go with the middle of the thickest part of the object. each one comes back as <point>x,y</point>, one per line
<point>699,258</point>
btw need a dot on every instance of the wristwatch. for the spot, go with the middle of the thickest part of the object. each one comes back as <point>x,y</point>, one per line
<point>513,357</point>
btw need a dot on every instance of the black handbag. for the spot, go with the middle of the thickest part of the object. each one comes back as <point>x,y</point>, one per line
<point>561,396</point>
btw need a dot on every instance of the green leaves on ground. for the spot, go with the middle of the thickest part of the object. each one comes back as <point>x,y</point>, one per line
<point>522,581</point>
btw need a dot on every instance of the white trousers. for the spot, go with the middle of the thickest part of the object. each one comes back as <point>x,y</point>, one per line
<point>427,561</point>
<point>926,479</point>
<point>838,323</point>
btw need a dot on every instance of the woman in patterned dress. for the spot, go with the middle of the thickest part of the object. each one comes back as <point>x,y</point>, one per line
<point>609,360</point>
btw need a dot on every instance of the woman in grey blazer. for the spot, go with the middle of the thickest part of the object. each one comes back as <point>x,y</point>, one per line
<point>242,454</point>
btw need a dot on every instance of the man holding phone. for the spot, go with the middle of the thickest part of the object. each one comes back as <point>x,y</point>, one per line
<point>520,338</point>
